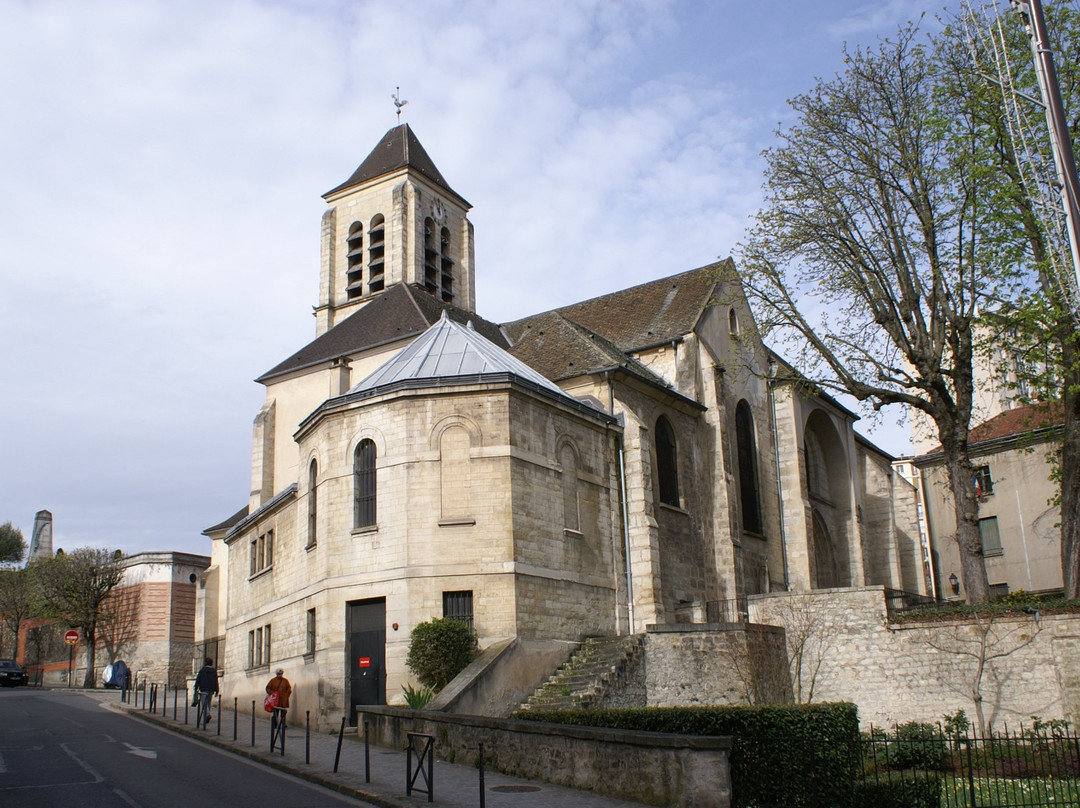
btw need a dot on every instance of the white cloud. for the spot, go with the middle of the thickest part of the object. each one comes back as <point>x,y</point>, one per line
<point>160,208</point>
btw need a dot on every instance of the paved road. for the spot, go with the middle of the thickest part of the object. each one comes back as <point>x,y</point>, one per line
<point>59,748</point>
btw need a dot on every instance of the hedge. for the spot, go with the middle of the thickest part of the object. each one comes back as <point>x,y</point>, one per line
<point>783,755</point>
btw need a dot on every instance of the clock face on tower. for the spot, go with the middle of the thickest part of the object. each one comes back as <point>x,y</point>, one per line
<point>437,211</point>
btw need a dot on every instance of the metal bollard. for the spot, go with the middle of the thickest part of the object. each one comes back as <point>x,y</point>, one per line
<point>252,722</point>
<point>307,737</point>
<point>235,717</point>
<point>175,701</point>
<point>340,735</point>
<point>367,755</point>
<point>187,703</point>
<point>164,699</point>
<point>219,714</point>
<point>481,776</point>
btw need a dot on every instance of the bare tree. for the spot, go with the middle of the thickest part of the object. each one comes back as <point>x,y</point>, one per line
<point>877,251</point>
<point>977,644</point>
<point>76,587</point>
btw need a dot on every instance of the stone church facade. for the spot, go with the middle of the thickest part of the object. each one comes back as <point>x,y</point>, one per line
<point>625,462</point>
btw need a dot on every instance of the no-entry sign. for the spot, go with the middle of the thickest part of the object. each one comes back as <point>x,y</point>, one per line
<point>71,637</point>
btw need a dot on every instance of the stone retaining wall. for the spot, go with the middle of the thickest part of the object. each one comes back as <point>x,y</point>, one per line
<point>652,768</point>
<point>899,672</point>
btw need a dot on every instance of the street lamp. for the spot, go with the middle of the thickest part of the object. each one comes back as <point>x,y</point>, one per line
<point>954,582</point>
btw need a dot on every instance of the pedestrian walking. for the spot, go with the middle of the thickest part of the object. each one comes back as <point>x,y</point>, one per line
<point>206,687</point>
<point>280,686</point>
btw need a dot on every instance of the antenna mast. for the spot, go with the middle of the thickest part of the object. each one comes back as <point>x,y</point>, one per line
<point>1060,141</point>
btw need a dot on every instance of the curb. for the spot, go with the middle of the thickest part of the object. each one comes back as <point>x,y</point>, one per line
<point>281,764</point>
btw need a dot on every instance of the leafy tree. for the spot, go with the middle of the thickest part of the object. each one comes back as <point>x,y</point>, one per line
<point>12,544</point>
<point>990,66</point>
<point>75,587</point>
<point>17,602</point>
<point>877,250</point>
<point>439,650</point>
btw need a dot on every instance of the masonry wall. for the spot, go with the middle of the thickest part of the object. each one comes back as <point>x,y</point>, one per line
<point>692,665</point>
<point>904,672</point>
<point>652,768</point>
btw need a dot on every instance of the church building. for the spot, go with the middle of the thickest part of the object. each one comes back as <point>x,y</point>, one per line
<point>635,460</point>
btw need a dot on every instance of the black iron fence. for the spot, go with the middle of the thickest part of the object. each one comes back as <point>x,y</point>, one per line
<point>1026,768</point>
<point>899,602</point>
<point>734,610</point>
<point>920,766</point>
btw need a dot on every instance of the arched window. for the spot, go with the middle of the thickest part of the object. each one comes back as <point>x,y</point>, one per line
<point>667,462</point>
<point>431,258</point>
<point>733,322</point>
<point>376,253</point>
<point>313,502</point>
<point>746,446</point>
<point>447,266</point>
<point>364,513</point>
<point>571,511</point>
<point>454,448</point>
<point>354,283</point>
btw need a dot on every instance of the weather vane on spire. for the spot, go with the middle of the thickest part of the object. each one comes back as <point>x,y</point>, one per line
<point>398,102</point>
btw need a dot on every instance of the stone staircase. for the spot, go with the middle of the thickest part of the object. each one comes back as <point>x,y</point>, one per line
<point>599,673</point>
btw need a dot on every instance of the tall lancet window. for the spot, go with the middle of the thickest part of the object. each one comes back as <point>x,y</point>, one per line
<point>431,257</point>
<point>376,253</point>
<point>313,503</point>
<point>364,513</point>
<point>746,446</point>
<point>446,266</point>
<point>667,462</point>
<point>354,280</point>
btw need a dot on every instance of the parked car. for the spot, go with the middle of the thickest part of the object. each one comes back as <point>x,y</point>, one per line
<point>12,673</point>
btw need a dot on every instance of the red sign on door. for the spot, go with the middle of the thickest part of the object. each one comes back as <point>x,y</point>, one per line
<point>365,662</point>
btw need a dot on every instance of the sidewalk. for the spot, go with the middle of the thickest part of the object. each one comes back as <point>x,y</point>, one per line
<point>453,786</point>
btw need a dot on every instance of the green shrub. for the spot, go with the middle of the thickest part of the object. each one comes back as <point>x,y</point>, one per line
<point>791,755</point>
<point>900,790</point>
<point>916,745</point>
<point>439,650</point>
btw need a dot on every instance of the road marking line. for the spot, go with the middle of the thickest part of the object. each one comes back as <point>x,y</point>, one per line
<point>126,798</point>
<point>141,751</point>
<point>86,766</point>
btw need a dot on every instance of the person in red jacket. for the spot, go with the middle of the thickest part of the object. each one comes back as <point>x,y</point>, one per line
<point>280,685</point>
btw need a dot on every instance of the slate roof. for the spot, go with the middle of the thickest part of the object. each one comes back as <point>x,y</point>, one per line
<point>236,518</point>
<point>398,149</point>
<point>645,315</point>
<point>561,349</point>
<point>446,350</point>
<point>403,310</point>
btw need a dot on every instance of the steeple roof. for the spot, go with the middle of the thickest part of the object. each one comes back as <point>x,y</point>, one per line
<point>398,149</point>
<point>449,349</point>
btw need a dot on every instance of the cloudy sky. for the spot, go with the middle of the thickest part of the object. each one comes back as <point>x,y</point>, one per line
<point>162,167</point>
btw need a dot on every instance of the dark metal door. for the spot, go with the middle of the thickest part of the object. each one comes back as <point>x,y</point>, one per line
<point>366,624</point>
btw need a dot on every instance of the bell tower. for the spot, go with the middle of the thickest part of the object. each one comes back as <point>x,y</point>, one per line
<point>395,220</point>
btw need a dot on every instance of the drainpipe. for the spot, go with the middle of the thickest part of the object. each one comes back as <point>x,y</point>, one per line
<point>779,481</point>
<point>623,506</point>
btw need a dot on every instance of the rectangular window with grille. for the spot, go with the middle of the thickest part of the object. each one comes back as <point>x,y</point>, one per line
<point>459,606</point>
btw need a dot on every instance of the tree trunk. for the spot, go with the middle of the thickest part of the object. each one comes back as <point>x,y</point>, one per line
<point>968,537</point>
<point>1070,484</point>
<point>91,652</point>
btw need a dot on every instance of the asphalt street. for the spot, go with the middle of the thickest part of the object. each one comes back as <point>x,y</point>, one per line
<point>59,748</point>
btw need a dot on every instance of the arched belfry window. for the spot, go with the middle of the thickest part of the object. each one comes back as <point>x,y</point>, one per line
<point>667,462</point>
<point>431,257</point>
<point>446,267</point>
<point>746,447</point>
<point>354,282</point>
<point>313,503</point>
<point>376,253</point>
<point>364,513</point>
